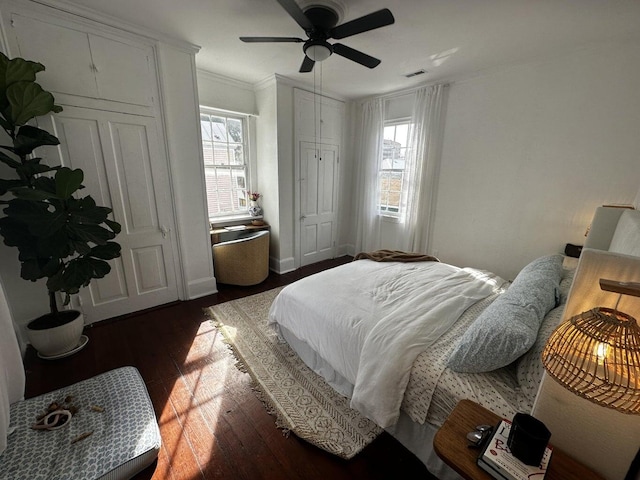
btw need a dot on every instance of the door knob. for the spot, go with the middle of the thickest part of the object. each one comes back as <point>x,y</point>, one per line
<point>165,231</point>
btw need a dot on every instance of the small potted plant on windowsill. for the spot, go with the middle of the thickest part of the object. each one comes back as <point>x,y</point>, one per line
<point>61,236</point>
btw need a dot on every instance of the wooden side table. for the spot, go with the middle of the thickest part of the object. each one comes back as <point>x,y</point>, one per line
<point>450,443</point>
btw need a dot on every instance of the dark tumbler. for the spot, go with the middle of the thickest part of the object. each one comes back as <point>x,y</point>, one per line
<point>528,439</point>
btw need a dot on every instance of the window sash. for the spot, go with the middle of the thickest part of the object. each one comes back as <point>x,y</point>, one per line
<point>392,181</point>
<point>225,152</point>
<point>391,184</point>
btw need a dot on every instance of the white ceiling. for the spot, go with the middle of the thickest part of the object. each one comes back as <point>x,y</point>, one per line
<point>448,38</point>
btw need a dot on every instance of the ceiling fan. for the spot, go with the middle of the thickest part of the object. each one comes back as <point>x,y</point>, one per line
<point>319,23</point>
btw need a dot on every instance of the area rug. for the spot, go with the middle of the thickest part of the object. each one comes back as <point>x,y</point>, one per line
<point>301,401</point>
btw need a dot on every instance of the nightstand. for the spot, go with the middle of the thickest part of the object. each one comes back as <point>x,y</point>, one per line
<point>450,443</point>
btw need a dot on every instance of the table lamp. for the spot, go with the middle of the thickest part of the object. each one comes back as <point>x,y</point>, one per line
<point>596,354</point>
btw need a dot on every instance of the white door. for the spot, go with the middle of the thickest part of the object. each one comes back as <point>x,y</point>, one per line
<point>125,169</point>
<point>318,200</point>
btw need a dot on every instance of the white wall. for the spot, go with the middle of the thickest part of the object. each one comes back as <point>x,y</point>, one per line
<point>224,93</point>
<point>267,164</point>
<point>531,150</point>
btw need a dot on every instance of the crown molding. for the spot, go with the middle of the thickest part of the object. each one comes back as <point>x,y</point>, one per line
<point>86,13</point>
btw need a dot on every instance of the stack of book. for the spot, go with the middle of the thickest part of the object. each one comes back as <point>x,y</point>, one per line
<point>496,458</point>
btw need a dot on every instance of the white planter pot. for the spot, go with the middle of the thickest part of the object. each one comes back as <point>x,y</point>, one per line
<point>57,340</point>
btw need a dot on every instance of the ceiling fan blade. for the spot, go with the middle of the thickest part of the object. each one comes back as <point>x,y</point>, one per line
<point>296,13</point>
<point>307,65</point>
<point>271,39</point>
<point>374,20</point>
<point>355,55</point>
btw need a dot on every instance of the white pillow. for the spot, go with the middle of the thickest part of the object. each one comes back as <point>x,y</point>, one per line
<point>626,238</point>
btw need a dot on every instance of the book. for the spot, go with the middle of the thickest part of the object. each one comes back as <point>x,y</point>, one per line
<point>497,460</point>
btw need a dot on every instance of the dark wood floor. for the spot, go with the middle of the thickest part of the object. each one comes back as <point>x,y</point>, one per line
<point>211,423</point>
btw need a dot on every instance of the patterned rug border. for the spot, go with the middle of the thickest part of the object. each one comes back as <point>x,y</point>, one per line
<point>341,431</point>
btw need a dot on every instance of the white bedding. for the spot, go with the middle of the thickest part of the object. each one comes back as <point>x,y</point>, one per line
<point>381,317</point>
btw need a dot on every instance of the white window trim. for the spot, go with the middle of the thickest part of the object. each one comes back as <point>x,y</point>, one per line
<point>251,172</point>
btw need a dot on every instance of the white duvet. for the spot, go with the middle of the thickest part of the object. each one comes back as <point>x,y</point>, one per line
<point>371,320</point>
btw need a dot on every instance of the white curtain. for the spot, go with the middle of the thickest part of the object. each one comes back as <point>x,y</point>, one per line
<point>11,371</point>
<point>368,158</point>
<point>423,167</point>
<point>421,172</point>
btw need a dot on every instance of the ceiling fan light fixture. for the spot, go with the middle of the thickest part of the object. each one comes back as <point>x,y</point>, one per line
<point>318,50</point>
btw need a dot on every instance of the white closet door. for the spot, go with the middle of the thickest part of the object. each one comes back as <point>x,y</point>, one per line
<point>123,71</point>
<point>64,52</point>
<point>318,187</point>
<point>125,170</point>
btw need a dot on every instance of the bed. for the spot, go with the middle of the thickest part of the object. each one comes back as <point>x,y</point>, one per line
<point>406,341</point>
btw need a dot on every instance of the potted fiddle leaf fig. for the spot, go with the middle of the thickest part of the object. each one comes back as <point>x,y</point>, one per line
<point>61,235</point>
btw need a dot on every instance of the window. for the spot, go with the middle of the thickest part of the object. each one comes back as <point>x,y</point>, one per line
<point>224,144</point>
<point>392,183</point>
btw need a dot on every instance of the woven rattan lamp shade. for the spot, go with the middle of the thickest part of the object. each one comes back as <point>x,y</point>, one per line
<point>596,355</point>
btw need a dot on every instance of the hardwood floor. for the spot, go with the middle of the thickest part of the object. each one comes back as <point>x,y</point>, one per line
<point>212,425</point>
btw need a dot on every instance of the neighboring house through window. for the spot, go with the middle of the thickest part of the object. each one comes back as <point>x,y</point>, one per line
<point>224,144</point>
<point>392,181</point>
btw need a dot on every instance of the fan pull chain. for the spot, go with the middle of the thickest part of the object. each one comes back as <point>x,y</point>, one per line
<point>315,115</point>
<point>320,116</point>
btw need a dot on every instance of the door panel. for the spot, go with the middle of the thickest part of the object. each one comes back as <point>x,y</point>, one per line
<point>124,169</point>
<point>318,172</point>
<point>52,45</point>
<point>325,236</point>
<point>111,288</point>
<point>318,117</point>
<point>123,71</point>
<point>130,146</point>
<point>149,269</point>
<point>310,235</point>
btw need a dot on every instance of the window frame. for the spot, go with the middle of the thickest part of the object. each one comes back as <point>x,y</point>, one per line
<point>395,217</point>
<point>242,211</point>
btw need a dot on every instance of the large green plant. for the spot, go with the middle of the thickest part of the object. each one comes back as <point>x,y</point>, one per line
<point>60,235</point>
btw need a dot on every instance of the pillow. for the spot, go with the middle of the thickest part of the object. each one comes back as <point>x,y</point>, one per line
<point>509,326</point>
<point>625,238</point>
<point>529,368</point>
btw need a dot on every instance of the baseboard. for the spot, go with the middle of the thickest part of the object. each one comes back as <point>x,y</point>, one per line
<point>346,249</point>
<point>201,287</point>
<point>282,266</point>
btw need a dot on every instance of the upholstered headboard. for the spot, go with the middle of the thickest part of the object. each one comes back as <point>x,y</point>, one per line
<point>615,230</point>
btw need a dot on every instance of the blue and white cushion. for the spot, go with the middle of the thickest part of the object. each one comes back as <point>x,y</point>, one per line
<point>125,436</point>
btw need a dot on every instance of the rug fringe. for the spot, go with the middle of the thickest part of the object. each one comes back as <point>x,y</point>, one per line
<point>281,423</point>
